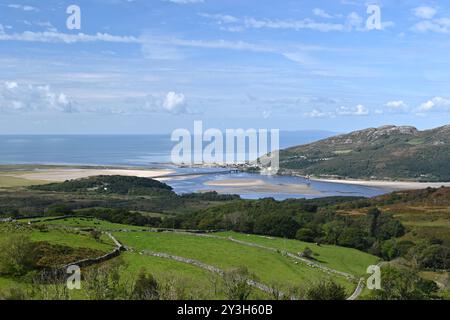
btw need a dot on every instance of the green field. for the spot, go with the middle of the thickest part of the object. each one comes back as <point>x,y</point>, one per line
<point>69,238</point>
<point>271,268</point>
<point>198,282</point>
<point>343,259</point>
<point>91,223</point>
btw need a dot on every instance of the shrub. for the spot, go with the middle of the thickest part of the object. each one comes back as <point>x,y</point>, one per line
<point>236,284</point>
<point>17,255</point>
<point>146,287</point>
<point>96,235</point>
<point>325,290</point>
<point>307,253</point>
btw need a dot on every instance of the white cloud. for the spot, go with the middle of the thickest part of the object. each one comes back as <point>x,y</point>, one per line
<point>58,37</point>
<point>175,102</point>
<point>352,22</point>
<point>425,12</point>
<point>220,18</point>
<point>17,98</point>
<point>322,13</point>
<point>10,85</point>
<point>435,105</point>
<point>239,24</point>
<point>437,25</point>
<point>22,7</point>
<point>359,110</point>
<point>172,102</point>
<point>397,106</point>
<point>153,47</point>
<point>429,23</point>
<point>168,48</point>
<point>252,23</point>
<point>317,113</point>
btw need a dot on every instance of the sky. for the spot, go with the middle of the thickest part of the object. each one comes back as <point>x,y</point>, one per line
<point>152,66</point>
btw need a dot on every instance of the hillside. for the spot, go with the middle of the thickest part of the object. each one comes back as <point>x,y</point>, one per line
<point>389,152</point>
<point>290,246</point>
<point>190,264</point>
<point>426,217</point>
<point>107,185</point>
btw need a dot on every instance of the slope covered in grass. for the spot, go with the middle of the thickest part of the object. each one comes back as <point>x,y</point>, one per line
<point>269,267</point>
<point>343,259</point>
<point>91,223</point>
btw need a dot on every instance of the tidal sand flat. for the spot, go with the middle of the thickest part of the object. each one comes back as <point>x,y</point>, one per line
<point>391,185</point>
<point>249,186</point>
<point>58,175</point>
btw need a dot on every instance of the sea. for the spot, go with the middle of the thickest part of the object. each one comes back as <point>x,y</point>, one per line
<point>153,151</point>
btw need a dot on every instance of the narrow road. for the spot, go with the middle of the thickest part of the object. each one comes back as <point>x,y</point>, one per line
<point>358,290</point>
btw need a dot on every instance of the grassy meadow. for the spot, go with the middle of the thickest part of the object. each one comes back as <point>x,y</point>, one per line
<point>269,268</point>
<point>342,259</point>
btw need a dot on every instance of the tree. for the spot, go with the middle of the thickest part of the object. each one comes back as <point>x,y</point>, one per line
<point>403,284</point>
<point>389,250</point>
<point>305,234</point>
<point>276,225</point>
<point>325,290</point>
<point>236,284</point>
<point>431,256</point>
<point>353,238</point>
<point>146,287</point>
<point>374,213</point>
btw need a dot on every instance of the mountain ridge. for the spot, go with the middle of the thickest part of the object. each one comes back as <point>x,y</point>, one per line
<point>385,153</point>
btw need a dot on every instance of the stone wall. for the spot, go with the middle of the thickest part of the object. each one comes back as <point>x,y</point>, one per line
<point>92,261</point>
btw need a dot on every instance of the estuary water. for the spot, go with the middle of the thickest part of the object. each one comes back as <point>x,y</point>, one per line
<point>154,151</point>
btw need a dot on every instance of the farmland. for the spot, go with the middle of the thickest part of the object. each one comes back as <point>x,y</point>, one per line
<point>270,268</point>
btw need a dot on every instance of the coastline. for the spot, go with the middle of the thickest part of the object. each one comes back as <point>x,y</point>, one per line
<point>62,173</point>
<point>33,174</point>
<point>386,184</point>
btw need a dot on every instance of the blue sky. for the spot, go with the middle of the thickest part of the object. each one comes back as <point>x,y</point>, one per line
<point>153,66</point>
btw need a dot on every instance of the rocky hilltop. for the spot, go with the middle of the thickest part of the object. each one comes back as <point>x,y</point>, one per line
<point>387,153</point>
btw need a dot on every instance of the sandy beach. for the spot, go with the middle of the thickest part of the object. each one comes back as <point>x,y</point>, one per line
<point>249,186</point>
<point>58,175</point>
<point>391,185</point>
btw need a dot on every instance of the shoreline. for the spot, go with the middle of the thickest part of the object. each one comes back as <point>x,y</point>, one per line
<point>63,173</point>
<point>57,173</point>
<point>386,184</point>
